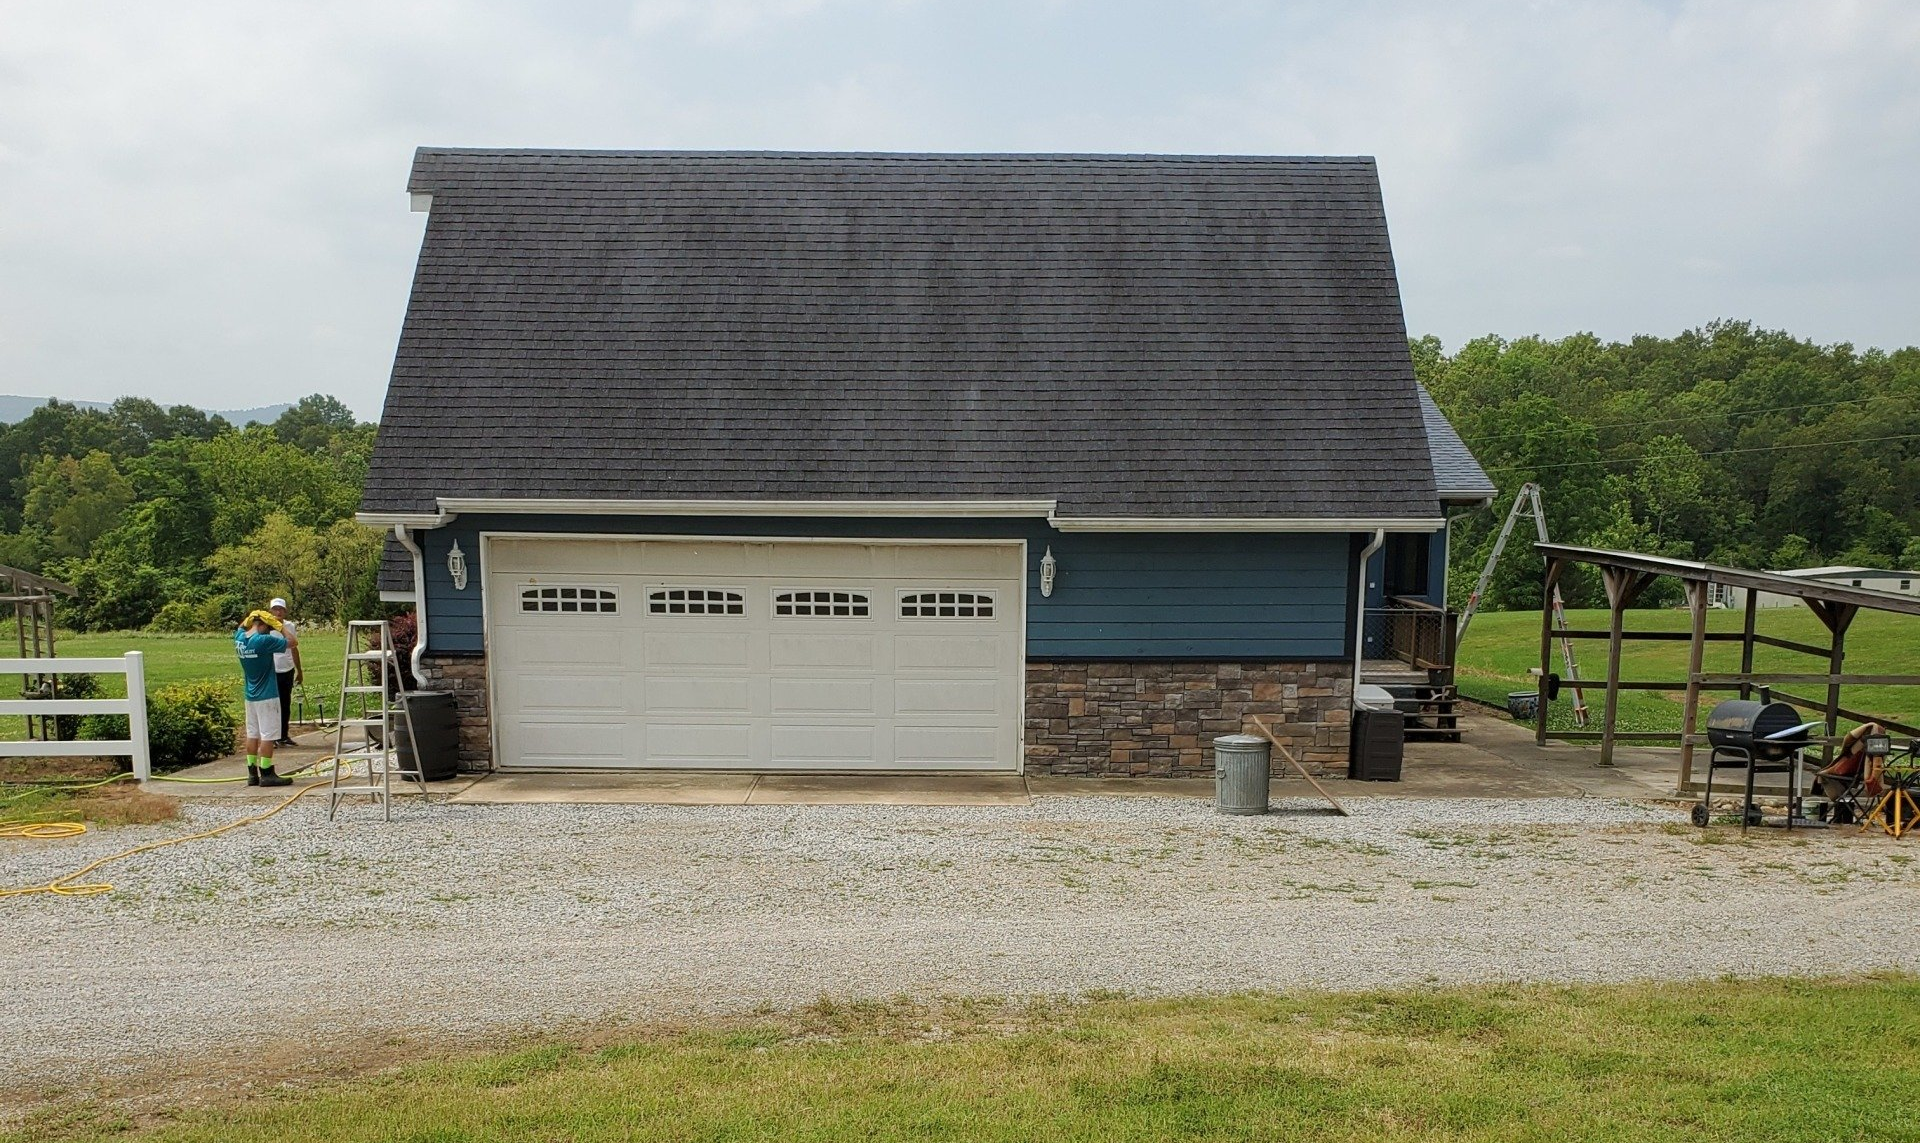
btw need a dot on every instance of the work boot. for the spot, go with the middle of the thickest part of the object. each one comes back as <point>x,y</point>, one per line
<point>269,778</point>
<point>253,774</point>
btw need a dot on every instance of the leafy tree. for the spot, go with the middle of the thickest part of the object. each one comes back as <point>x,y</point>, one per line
<point>76,501</point>
<point>279,558</point>
<point>313,422</point>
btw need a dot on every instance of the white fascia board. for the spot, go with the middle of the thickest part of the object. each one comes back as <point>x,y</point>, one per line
<point>1239,524</point>
<point>385,520</point>
<point>451,506</point>
<point>398,597</point>
<point>419,203</point>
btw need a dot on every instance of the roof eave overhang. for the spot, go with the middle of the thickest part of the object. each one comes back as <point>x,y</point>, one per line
<point>452,507</point>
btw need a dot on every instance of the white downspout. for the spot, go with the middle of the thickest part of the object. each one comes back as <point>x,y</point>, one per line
<point>405,540</point>
<point>1360,614</point>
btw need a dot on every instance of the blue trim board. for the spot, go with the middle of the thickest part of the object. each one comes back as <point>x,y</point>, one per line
<point>1253,596</point>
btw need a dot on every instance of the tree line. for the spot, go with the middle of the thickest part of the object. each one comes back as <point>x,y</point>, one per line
<point>174,520</point>
<point>1732,444</point>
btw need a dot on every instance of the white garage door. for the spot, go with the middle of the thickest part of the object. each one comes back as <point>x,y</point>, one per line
<point>782,655</point>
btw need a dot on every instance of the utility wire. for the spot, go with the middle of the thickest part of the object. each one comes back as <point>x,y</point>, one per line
<point>1719,452</point>
<point>1678,420</point>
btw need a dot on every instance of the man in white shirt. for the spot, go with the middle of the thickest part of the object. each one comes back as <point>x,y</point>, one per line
<point>287,669</point>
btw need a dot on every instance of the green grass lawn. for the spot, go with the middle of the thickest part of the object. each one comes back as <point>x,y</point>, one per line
<point>180,659</point>
<point>1500,647</point>
<point>1759,1061</point>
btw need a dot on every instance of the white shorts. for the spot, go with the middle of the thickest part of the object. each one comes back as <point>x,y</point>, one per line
<point>263,719</point>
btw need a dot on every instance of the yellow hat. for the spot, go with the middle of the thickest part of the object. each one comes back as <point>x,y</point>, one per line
<point>266,617</point>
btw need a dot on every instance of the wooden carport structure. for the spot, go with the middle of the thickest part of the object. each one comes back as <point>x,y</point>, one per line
<point>1627,575</point>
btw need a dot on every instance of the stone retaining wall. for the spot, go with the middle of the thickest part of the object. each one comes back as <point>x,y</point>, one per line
<point>1159,719</point>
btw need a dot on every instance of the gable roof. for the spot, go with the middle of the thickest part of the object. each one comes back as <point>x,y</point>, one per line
<point>1129,336</point>
<point>1456,474</point>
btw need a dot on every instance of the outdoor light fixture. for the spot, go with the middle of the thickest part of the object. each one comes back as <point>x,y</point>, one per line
<point>1047,568</point>
<point>457,567</point>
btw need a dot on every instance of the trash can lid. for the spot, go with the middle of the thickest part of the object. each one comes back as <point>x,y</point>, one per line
<point>1372,695</point>
<point>1239,740</point>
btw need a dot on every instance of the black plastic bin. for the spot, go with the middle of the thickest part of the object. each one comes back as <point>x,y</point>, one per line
<point>1378,745</point>
<point>436,729</point>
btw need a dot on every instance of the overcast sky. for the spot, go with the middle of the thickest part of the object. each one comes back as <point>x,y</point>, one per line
<point>205,203</point>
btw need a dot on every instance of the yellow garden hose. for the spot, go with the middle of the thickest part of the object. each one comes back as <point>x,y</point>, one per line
<point>60,886</point>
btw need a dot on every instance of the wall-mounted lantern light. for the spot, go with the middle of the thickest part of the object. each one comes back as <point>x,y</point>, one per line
<point>1048,567</point>
<point>457,567</point>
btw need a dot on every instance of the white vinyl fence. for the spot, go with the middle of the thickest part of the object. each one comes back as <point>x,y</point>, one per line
<point>134,706</point>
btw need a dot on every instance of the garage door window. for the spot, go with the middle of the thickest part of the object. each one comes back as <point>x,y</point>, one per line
<point>946,605</point>
<point>839,604</point>
<point>597,600</point>
<point>696,601</point>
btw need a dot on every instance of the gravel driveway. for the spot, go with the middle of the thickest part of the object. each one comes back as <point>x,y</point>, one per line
<point>477,919</point>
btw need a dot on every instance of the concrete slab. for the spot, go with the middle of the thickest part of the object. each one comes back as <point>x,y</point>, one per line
<point>226,777</point>
<point>625,787</point>
<point>889,790</point>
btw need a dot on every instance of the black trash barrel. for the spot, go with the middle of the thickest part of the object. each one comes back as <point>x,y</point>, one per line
<point>436,731</point>
<point>1378,745</point>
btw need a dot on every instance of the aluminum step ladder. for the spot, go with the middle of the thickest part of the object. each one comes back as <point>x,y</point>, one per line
<point>373,701</point>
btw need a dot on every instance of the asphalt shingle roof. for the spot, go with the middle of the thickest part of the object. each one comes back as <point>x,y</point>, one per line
<point>1130,335</point>
<point>1455,472</point>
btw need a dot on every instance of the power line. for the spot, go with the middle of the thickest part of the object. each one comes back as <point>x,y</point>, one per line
<point>1719,452</point>
<point>1678,420</point>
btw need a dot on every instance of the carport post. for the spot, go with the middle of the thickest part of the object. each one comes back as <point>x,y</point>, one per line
<point>1746,643</point>
<point>1555,565</point>
<point>1696,661</point>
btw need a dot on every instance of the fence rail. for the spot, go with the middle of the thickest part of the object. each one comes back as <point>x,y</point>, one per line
<point>134,706</point>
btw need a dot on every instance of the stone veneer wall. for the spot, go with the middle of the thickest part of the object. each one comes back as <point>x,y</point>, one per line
<point>466,677</point>
<point>1159,719</point>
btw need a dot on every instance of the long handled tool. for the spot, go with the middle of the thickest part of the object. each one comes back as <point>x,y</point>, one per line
<point>1295,763</point>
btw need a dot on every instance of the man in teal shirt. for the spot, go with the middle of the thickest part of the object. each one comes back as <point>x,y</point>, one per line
<point>257,643</point>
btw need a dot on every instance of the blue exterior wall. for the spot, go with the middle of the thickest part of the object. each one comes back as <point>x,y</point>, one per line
<point>1252,596</point>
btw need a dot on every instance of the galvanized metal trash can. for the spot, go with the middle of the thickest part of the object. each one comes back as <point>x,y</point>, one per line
<point>1242,763</point>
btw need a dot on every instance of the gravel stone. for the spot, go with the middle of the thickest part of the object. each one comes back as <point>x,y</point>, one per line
<point>459,920</point>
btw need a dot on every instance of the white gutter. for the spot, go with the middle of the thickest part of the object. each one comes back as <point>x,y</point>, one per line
<point>1360,614</point>
<point>1243,524</point>
<point>401,519</point>
<point>453,506</point>
<point>405,540</point>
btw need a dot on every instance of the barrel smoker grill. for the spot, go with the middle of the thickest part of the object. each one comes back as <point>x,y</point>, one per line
<point>1756,736</point>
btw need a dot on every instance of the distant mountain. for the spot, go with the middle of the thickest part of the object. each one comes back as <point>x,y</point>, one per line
<point>14,409</point>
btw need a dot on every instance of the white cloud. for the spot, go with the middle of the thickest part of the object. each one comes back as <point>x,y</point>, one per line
<point>203,202</point>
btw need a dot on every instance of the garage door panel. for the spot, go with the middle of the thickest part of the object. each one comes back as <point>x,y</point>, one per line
<point>672,743</point>
<point>818,646</point>
<point>948,746</point>
<point>732,650</point>
<point>573,742</point>
<point>549,644</point>
<point>824,746</point>
<point>946,696</point>
<point>605,693</point>
<point>758,669</point>
<point>946,651</point>
<point>698,694</point>
<point>822,696</point>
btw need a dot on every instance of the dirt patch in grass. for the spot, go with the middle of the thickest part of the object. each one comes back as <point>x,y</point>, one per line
<point>57,769</point>
<point>114,804</point>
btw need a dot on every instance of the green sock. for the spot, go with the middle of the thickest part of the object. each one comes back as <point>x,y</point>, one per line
<point>253,760</point>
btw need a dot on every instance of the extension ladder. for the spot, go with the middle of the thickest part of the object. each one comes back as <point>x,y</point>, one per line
<point>1527,503</point>
<point>373,700</point>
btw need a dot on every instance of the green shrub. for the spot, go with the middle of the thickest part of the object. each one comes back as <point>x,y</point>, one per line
<point>187,723</point>
<point>177,616</point>
<point>75,686</point>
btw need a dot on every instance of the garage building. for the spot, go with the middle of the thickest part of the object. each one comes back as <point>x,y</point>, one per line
<point>902,462</point>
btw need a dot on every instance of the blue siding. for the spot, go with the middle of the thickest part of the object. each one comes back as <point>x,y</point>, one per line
<point>1116,596</point>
